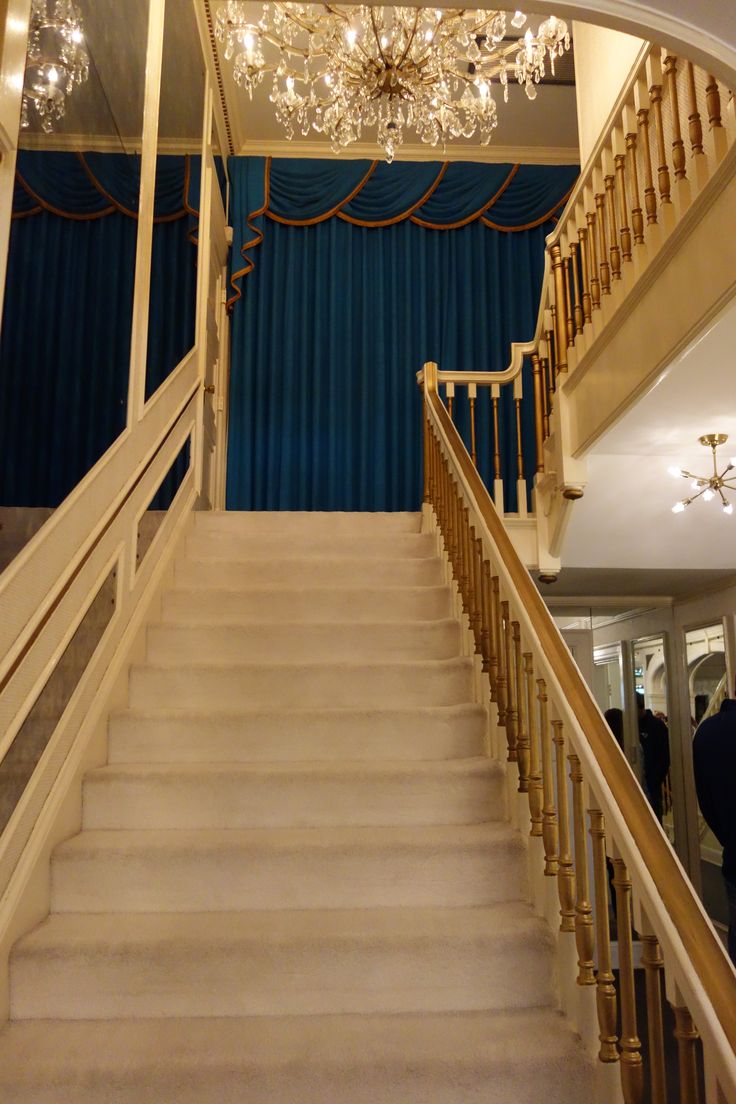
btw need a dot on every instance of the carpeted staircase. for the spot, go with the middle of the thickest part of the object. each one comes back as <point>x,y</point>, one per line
<point>294,883</point>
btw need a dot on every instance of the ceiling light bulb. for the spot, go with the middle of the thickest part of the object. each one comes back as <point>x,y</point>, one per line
<point>678,508</point>
<point>428,35</point>
<point>53,75</point>
<point>676,472</point>
<point>351,36</point>
<point>732,461</point>
<point>707,495</point>
<point>77,35</point>
<point>519,19</point>
<point>695,485</point>
<point>328,79</point>
<point>247,40</point>
<point>483,89</point>
<point>290,83</point>
<point>728,509</point>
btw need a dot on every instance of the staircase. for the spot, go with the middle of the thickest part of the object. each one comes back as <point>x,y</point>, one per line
<point>294,881</point>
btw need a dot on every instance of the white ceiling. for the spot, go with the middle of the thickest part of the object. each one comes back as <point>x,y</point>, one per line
<point>625,518</point>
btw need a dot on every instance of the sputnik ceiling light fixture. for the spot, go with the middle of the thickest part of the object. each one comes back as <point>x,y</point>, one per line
<point>708,486</point>
<point>337,69</point>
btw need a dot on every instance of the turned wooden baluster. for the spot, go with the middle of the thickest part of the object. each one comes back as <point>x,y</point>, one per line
<point>565,869</point>
<point>549,811</point>
<point>695,126</point>
<point>663,172</point>
<point>522,716</point>
<point>471,400</point>
<point>535,774</point>
<point>625,232</point>
<point>653,963</point>
<point>511,711</point>
<point>464,558</point>
<point>637,217</point>
<point>678,146</point>
<point>450,392</point>
<point>496,436</point>
<point>585,267</point>
<point>476,616</point>
<point>501,653</point>
<point>650,195</point>
<point>614,250</point>
<point>486,632</point>
<point>606,990</point>
<point>605,268</point>
<point>539,411</point>
<point>632,1069</point>
<point>687,1054</point>
<point>569,321</point>
<point>559,309</point>
<point>584,935</point>
<point>578,319</point>
<point>519,453</point>
<point>595,283</point>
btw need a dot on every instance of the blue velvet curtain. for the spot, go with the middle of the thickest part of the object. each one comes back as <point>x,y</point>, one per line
<point>343,287</point>
<point>65,343</point>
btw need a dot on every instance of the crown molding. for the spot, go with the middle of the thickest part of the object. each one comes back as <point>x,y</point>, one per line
<point>526,155</point>
<point>104,143</point>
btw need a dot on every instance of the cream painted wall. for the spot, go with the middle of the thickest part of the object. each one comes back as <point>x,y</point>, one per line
<point>603,61</point>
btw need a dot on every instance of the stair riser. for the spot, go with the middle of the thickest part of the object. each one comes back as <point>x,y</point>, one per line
<point>342,605</point>
<point>228,546</point>
<point>229,800</point>
<point>276,571</point>
<point>284,737</point>
<point>244,978</point>
<point>279,523</point>
<point>304,878</point>
<point>169,644</point>
<point>232,688</point>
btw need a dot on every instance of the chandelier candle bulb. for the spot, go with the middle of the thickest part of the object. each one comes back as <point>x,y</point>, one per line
<point>389,68</point>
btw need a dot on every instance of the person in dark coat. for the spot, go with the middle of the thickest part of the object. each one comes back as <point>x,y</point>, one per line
<point>655,746</point>
<point>714,763</point>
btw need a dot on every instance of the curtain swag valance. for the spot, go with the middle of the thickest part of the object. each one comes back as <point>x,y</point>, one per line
<point>431,194</point>
<point>85,186</point>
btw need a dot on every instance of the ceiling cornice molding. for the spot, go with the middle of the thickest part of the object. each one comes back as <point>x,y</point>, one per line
<point>525,155</point>
<point>105,143</point>
<point>218,74</point>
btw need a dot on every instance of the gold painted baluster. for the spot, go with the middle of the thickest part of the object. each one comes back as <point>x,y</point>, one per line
<point>695,126</point>
<point>450,392</point>
<point>663,172</point>
<point>614,250</point>
<point>595,283</point>
<point>426,495</point>
<point>577,307</point>
<point>538,411</point>
<point>519,453</point>
<point>471,400</point>
<point>464,579</point>
<point>620,163</point>
<point>522,718</point>
<point>584,937</point>
<point>535,777</point>
<point>570,308</point>
<point>548,392</point>
<point>606,990</point>
<point>496,440</point>
<point>585,266</point>
<point>605,268</point>
<point>500,649</point>
<point>559,310</point>
<point>565,870</point>
<point>511,713</point>
<point>653,963</point>
<point>549,812</point>
<point>713,103</point>
<point>475,587</point>
<point>632,1069</point>
<point>485,612</point>
<point>678,146</point>
<point>492,644</point>
<point>687,1054</point>
<point>637,217</point>
<point>650,195</point>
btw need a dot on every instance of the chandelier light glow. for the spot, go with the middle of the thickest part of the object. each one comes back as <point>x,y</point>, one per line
<point>57,60</point>
<point>339,69</point>
<point>709,486</point>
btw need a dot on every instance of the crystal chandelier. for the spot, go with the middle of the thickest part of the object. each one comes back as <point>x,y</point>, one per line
<point>708,486</point>
<point>338,69</point>
<point>56,61</point>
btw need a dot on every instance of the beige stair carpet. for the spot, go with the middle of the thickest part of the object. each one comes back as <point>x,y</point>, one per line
<point>294,882</point>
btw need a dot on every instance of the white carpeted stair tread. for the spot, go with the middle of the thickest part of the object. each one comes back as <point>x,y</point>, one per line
<point>149,871</point>
<point>207,606</point>
<point>227,644</point>
<point>276,523</point>
<point>99,966</point>
<point>515,1057</point>
<point>416,732</point>
<point>254,795</point>
<point>317,571</point>
<point>345,683</point>
<point>225,545</point>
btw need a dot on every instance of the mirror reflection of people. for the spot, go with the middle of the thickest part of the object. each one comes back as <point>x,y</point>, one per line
<point>714,764</point>
<point>655,747</point>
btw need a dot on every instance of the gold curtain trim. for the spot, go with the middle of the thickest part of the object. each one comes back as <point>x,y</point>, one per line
<point>528,225</point>
<point>254,241</point>
<point>405,214</point>
<point>44,206</point>
<point>471,218</point>
<point>328,214</point>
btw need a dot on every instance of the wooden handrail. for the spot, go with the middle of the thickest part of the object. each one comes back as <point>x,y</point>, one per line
<point>699,941</point>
